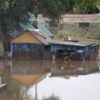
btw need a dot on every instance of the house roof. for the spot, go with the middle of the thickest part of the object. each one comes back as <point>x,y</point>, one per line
<point>30,26</point>
<point>38,33</point>
<point>98,7</point>
<point>80,42</point>
<point>43,28</point>
<point>76,15</point>
<point>44,38</point>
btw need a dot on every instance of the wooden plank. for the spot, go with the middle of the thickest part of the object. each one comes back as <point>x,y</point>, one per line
<point>3,89</point>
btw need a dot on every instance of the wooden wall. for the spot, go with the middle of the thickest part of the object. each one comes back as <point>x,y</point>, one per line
<point>26,37</point>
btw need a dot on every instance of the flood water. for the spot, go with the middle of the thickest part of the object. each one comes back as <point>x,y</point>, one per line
<point>50,80</point>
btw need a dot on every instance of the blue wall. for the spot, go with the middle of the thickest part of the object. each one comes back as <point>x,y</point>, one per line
<point>94,48</point>
<point>53,47</point>
<point>27,47</point>
<point>77,49</point>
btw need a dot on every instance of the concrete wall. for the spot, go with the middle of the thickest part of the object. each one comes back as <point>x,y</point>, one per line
<point>68,22</point>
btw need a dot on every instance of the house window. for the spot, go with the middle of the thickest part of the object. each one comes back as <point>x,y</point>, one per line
<point>53,24</point>
<point>84,25</point>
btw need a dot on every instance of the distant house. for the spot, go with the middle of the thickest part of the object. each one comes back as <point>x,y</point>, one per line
<point>98,7</point>
<point>32,25</point>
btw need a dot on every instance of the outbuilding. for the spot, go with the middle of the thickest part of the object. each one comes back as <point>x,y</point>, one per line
<point>74,49</point>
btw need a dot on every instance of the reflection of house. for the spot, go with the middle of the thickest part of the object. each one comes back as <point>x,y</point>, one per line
<point>28,72</point>
<point>3,96</point>
<point>67,72</point>
<point>5,70</point>
<point>34,67</point>
<point>26,80</point>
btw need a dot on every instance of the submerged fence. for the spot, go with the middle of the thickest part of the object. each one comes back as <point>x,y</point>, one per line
<point>6,54</point>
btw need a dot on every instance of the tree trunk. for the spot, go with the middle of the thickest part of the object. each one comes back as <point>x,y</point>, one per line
<point>4,38</point>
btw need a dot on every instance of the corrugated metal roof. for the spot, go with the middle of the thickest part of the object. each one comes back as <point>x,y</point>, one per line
<point>40,35</point>
<point>44,29</point>
<point>41,26</point>
<point>85,42</point>
<point>30,26</point>
<point>98,7</point>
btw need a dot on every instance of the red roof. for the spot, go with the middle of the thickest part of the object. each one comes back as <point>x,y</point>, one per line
<point>77,16</point>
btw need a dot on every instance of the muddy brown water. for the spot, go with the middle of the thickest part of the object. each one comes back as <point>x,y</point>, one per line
<point>50,80</point>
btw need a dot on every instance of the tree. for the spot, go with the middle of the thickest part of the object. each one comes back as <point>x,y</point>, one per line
<point>14,12</point>
<point>85,6</point>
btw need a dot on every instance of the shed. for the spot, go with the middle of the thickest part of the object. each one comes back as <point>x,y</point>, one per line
<point>71,49</point>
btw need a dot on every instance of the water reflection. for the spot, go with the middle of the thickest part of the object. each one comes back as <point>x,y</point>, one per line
<point>74,69</point>
<point>46,80</point>
<point>4,77</point>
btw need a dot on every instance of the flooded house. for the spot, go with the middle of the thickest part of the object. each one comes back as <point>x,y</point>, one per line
<point>36,44</point>
<point>30,43</point>
<point>75,48</point>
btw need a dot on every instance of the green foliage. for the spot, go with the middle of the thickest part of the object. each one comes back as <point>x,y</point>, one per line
<point>62,33</point>
<point>76,32</point>
<point>51,98</point>
<point>52,8</point>
<point>85,6</point>
<point>14,12</point>
<point>97,2</point>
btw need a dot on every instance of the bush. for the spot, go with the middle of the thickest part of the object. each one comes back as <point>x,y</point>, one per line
<point>77,32</point>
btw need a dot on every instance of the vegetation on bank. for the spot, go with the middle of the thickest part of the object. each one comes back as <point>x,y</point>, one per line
<point>83,6</point>
<point>15,12</point>
<point>78,32</point>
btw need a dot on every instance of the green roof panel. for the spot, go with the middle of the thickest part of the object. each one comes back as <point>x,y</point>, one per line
<point>41,26</point>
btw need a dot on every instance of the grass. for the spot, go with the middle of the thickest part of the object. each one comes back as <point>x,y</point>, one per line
<point>78,32</point>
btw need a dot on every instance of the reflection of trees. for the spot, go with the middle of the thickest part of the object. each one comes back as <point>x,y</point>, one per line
<point>51,98</point>
<point>19,93</point>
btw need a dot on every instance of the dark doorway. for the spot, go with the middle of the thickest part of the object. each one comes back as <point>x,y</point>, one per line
<point>66,55</point>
